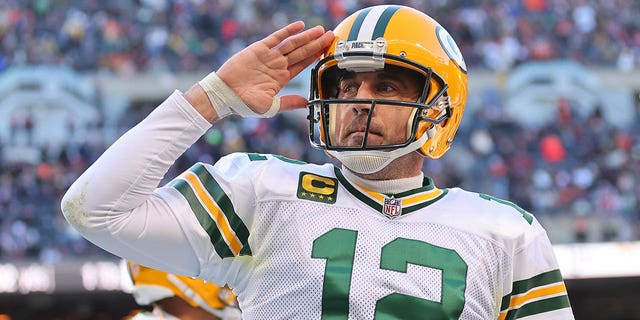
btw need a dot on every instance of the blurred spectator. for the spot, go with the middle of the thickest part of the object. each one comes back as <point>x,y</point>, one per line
<point>552,149</point>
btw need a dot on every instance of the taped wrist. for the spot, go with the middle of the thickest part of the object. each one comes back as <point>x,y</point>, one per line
<point>226,102</point>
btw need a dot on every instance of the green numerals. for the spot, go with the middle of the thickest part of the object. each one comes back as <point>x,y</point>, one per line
<point>338,247</point>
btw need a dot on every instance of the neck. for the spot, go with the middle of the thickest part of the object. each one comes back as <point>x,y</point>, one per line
<point>385,186</point>
<point>404,173</point>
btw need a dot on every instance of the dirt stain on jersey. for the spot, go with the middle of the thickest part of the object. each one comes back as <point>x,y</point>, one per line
<point>73,208</point>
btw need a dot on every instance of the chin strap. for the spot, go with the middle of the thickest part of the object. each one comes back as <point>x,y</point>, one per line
<point>371,161</point>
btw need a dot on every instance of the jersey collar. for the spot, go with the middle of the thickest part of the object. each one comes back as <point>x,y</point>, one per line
<point>409,201</point>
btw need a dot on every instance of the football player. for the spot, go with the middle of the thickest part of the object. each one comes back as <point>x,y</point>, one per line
<point>373,238</point>
<point>179,297</point>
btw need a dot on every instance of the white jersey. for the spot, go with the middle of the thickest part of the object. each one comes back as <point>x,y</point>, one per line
<point>301,241</point>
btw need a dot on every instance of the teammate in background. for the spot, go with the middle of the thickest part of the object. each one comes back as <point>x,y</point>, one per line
<point>179,297</point>
<point>371,239</point>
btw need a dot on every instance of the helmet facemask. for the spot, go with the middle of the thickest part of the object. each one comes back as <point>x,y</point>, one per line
<point>326,126</point>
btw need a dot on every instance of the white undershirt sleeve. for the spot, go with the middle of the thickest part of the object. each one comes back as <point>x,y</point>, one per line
<point>113,203</point>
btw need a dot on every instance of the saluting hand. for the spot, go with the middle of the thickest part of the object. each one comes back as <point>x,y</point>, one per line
<point>257,73</point>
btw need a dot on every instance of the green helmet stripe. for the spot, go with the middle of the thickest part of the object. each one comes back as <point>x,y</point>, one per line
<point>383,22</point>
<point>355,29</point>
<point>371,23</point>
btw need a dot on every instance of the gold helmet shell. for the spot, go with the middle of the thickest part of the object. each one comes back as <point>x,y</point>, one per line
<point>393,35</point>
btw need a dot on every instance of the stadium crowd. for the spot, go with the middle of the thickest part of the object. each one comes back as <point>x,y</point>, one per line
<point>576,166</point>
<point>184,35</point>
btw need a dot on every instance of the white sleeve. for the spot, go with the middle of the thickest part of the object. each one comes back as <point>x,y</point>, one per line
<point>113,203</point>
<point>538,290</point>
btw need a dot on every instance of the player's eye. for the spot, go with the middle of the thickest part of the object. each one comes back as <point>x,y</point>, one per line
<point>348,89</point>
<point>386,89</point>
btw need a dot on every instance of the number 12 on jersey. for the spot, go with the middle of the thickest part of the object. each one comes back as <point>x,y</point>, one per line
<point>338,246</point>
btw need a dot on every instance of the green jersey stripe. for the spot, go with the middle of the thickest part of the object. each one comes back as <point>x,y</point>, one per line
<point>506,301</point>
<point>538,307</point>
<point>375,205</point>
<point>526,215</point>
<point>223,201</point>
<point>362,197</point>
<point>427,185</point>
<point>542,279</point>
<point>421,205</point>
<point>205,220</point>
<point>522,286</point>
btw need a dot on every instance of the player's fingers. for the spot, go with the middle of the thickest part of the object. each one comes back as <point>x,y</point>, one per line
<point>277,37</point>
<point>295,41</point>
<point>295,69</point>
<point>311,50</point>
<point>290,102</point>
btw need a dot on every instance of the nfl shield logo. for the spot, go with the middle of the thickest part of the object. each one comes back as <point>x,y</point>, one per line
<point>392,207</point>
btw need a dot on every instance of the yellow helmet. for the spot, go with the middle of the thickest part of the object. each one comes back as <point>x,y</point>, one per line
<point>151,285</point>
<point>393,36</point>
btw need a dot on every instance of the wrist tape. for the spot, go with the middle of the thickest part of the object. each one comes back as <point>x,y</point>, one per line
<point>227,102</point>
